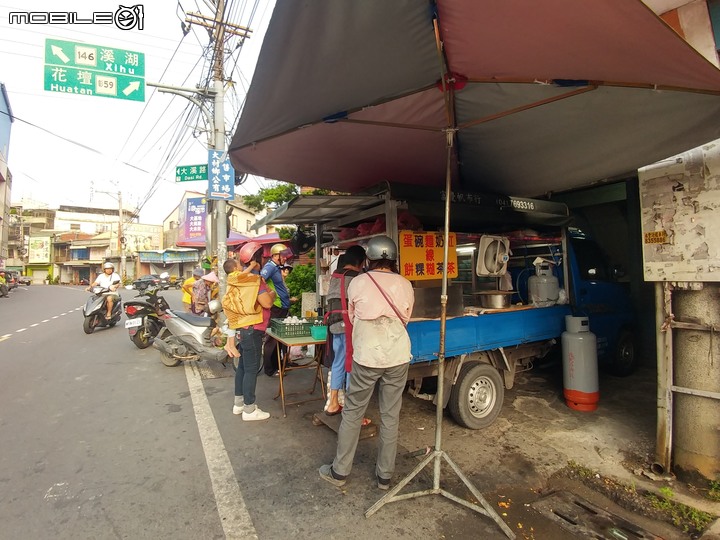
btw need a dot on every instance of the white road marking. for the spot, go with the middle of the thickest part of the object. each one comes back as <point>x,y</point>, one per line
<point>34,325</point>
<point>6,336</point>
<point>54,317</point>
<point>234,516</point>
<point>20,330</point>
<point>46,320</point>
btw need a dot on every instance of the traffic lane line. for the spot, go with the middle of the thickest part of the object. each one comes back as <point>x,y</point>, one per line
<point>8,336</point>
<point>234,516</point>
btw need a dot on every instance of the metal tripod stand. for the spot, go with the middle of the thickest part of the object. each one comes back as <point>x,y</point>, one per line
<point>437,455</point>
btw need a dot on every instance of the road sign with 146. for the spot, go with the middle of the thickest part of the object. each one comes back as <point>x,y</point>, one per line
<point>94,70</point>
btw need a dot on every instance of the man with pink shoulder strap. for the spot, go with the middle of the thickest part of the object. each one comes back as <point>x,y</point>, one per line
<point>380,302</point>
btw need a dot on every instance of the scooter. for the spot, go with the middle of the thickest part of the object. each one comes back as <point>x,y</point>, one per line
<point>144,317</point>
<point>95,310</point>
<point>190,338</point>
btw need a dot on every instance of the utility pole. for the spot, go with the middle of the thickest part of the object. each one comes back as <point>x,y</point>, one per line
<point>120,234</point>
<point>121,240</point>
<point>217,224</point>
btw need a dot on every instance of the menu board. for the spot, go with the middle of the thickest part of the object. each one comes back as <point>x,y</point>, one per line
<point>422,255</point>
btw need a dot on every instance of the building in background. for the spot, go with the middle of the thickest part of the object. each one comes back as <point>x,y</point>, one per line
<point>185,230</point>
<point>187,223</point>
<point>696,21</point>
<point>6,120</point>
<point>24,223</point>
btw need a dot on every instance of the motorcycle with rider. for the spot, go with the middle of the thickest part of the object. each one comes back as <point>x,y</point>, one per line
<point>104,307</point>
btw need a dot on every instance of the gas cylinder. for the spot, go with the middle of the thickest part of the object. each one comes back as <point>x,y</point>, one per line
<point>580,369</point>
<point>543,287</point>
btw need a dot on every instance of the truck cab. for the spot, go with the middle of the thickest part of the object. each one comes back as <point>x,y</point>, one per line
<point>595,291</point>
<point>597,294</point>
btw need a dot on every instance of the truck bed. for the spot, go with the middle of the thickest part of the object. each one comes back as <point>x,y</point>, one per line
<point>485,331</point>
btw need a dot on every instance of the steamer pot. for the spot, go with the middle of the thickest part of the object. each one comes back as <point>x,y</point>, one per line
<point>495,299</point>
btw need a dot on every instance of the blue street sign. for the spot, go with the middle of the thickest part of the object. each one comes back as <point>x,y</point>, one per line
<point>221,176</point>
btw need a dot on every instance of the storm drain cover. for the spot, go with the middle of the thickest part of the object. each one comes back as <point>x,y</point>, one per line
<point>586,520</point>
<point>214,370</point>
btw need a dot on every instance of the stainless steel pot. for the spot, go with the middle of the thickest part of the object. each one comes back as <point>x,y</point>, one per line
<point>495,299</point>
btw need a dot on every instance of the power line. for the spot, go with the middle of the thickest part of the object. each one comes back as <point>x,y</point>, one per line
<point>81,145</point>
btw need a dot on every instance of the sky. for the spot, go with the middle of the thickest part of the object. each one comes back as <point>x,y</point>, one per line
<point>83,150</point>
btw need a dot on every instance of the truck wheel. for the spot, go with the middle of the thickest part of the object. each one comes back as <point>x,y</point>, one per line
<point>477,397</point>
<point>624,361</point>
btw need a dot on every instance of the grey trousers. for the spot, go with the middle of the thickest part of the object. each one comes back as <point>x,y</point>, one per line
<point>362,383</point>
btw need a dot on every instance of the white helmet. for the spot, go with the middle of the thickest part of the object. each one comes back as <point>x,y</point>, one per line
<point>381,247</point>
<point>108,265</point>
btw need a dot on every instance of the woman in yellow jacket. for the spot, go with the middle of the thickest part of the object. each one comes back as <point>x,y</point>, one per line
<point>187,288</point>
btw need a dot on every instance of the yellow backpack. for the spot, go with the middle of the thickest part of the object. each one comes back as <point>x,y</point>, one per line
<point>240,301</point>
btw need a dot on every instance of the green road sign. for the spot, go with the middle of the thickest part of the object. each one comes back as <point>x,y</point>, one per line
<point>94,70</point>
<point>190,173</point>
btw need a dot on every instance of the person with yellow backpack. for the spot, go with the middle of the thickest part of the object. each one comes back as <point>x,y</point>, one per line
<point>246,305</point>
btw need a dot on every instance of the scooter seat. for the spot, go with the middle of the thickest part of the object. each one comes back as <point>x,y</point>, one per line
<point>195,320</point>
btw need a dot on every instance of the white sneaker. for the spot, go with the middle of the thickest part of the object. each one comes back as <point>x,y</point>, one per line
<point>237,409</point>
<point>257,414</point>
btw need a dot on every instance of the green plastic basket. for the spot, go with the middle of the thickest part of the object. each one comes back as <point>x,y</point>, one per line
<point>284,330</point>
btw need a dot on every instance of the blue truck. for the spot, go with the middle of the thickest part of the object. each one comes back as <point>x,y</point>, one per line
<point>488,347</point>
<point>485,348</point>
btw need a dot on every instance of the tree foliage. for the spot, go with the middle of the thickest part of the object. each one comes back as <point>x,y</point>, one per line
<point>300,280</point>
<point>285,233</point>
<point>272,197</point>
<point>277,194</point>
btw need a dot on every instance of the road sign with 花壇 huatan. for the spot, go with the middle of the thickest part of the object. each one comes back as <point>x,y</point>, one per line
<point>190,173</point>
<point>94,70</point>
<point>221,176</point>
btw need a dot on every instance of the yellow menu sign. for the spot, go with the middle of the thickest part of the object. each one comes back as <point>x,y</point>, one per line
<point>421,255</point>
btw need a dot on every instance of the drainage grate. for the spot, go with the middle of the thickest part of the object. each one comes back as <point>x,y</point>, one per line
<point>586,520</point>
<point>214,370</point>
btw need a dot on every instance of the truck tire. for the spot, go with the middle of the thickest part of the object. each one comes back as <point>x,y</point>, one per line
<point>477,397</point>
<point>624,360</point>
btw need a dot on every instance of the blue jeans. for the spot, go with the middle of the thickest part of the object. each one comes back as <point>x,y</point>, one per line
<point>250,345</point>
<point>337,378</point>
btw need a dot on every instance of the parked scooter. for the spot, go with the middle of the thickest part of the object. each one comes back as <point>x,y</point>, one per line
<point>95,310</point>
<point>190,337</point>
<point>144,317</point>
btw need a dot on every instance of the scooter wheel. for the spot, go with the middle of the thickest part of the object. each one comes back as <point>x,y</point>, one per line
<point>89,325</point>
<point>141,339</point>
<point>168,360</point>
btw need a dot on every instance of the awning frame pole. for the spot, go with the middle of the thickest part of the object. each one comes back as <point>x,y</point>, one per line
<point>438,454</point>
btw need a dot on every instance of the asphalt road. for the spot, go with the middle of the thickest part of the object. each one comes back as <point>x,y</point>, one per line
<point>99,439</point>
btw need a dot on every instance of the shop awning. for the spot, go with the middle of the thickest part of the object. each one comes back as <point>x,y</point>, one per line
<point>311,209</point>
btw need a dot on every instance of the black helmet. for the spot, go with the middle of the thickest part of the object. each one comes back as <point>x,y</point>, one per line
<point>381,247</point>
